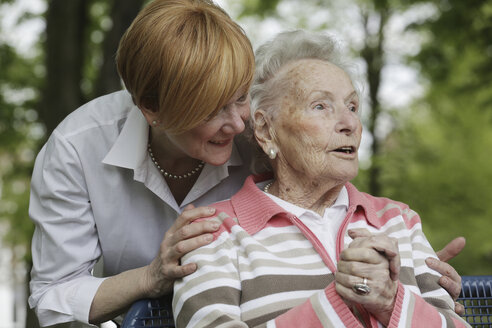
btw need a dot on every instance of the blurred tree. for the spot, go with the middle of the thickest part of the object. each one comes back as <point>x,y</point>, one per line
<point>440,152</point>
<point>75,63</point>
<point>65,45</point>
<point>121,16</point>
<point>375,16</point>
<point>19,136</point>
<point>81,41</point>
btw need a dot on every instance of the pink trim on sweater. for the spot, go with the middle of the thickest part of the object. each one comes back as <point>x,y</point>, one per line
<point>300,316</point>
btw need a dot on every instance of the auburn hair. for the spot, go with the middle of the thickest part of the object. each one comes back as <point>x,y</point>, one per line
<point>184,59</point>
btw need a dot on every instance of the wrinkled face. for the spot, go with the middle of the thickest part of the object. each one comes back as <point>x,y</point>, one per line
<point>317,129</point>
<point>211,141</point>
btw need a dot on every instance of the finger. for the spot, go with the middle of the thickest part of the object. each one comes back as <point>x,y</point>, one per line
<point>361,269</point>
<point>347,280</point>
<point>451,280</point>
<point>191,213</point>
<point>443,268</point>
<point>365,255</point>
<point>344,284</point>
<point>459,308</point>
<point>394,267</point>
<point>452,249</point>
<point>394,262</point>
<point>359,232</point>
<point>195,229</point>
<point>381,243</point>
<point>385,246</point>
<point>185,246</point>
<point>451,286</point>
<point>179,271</point>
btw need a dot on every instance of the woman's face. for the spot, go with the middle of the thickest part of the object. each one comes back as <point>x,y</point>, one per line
<point>212,140</point>
<point>317,127</point>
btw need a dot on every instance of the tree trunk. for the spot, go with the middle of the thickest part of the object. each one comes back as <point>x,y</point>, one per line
<point>122,14</point>
<point>65,22</point>
<point>373,56</point>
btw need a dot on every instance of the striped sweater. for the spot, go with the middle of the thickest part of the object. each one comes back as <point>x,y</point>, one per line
<point>265,268</point>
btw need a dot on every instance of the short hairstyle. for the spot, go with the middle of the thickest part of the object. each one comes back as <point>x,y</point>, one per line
<point>271,57</point>
<point>184,59</point>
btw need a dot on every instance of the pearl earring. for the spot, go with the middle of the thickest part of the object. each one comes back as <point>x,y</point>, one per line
<point>272,153</point>
<point>154,123</point>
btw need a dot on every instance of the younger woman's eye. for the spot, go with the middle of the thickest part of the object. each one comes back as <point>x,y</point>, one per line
<point>242,98</point>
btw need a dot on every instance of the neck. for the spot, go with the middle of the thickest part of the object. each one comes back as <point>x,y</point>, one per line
<point>170,158</point>
<point>309,193</point>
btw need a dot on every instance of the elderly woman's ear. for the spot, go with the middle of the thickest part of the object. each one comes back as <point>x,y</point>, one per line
<point>264,134</point>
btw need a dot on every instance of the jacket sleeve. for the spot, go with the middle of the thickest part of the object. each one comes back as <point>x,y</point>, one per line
<point>65,244</point>
<point>420,300</point>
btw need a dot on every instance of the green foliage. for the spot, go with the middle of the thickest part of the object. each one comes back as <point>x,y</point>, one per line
<point>260,8</point>
<point>19,137</point>
<point>99,23</point>
<point>20,134</point>
<point>437,164</point>
<point>438,161</point>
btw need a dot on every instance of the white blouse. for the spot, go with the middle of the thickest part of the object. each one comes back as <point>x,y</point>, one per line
<point>95,192</point>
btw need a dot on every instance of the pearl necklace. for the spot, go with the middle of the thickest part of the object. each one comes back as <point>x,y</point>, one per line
<point>173,176</point>
<point>265,189</point>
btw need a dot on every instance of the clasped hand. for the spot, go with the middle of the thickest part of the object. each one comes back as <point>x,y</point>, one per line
<point>376,258</point>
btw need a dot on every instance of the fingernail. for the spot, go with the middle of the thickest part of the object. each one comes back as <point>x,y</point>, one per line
<point>208,238</point>
<point>211,210</point>
<point>215,225</point>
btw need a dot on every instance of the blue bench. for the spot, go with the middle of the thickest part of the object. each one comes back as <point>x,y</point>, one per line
<point>476,296</point>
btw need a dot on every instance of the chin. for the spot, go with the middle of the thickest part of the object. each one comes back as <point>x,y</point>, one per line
<point>217,159</point>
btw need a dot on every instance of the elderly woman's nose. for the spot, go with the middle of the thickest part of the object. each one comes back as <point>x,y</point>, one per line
<point>347,122</point>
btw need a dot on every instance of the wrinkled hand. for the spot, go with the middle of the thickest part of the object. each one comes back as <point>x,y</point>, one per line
<point>450,280</point>
<point>183,237</point>
<point>376,258</point>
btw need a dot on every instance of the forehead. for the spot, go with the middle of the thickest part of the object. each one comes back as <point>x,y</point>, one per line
<point>308,75</point>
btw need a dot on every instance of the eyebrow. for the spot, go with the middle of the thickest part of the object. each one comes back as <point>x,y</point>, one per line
<point>330,95</point>
<point>351,96</point>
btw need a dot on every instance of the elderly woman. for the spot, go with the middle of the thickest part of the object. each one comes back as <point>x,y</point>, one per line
<point>306,248</point>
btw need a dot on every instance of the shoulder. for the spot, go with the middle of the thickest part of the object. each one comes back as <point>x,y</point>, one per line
<point>224,215</point>
<point>104,111</point>
<point>386,209</point>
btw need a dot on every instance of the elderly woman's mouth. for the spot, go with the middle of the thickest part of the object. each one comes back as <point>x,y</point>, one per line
<point>346,150</point>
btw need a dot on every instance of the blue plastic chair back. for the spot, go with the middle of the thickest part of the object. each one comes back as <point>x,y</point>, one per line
<point>150,313</point>
<point>476,296</point>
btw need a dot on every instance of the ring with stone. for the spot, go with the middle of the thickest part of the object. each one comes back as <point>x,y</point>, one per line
<point>362,289</point>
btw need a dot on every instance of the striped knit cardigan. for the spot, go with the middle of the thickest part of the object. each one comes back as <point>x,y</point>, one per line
<point>265,268</point>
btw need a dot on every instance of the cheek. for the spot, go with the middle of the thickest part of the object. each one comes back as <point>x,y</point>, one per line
<point>206,132</point>
<point>245,111</point>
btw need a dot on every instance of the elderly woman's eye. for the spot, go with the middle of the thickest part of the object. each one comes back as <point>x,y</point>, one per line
<point>319,107</point>
<point>353,108</point>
